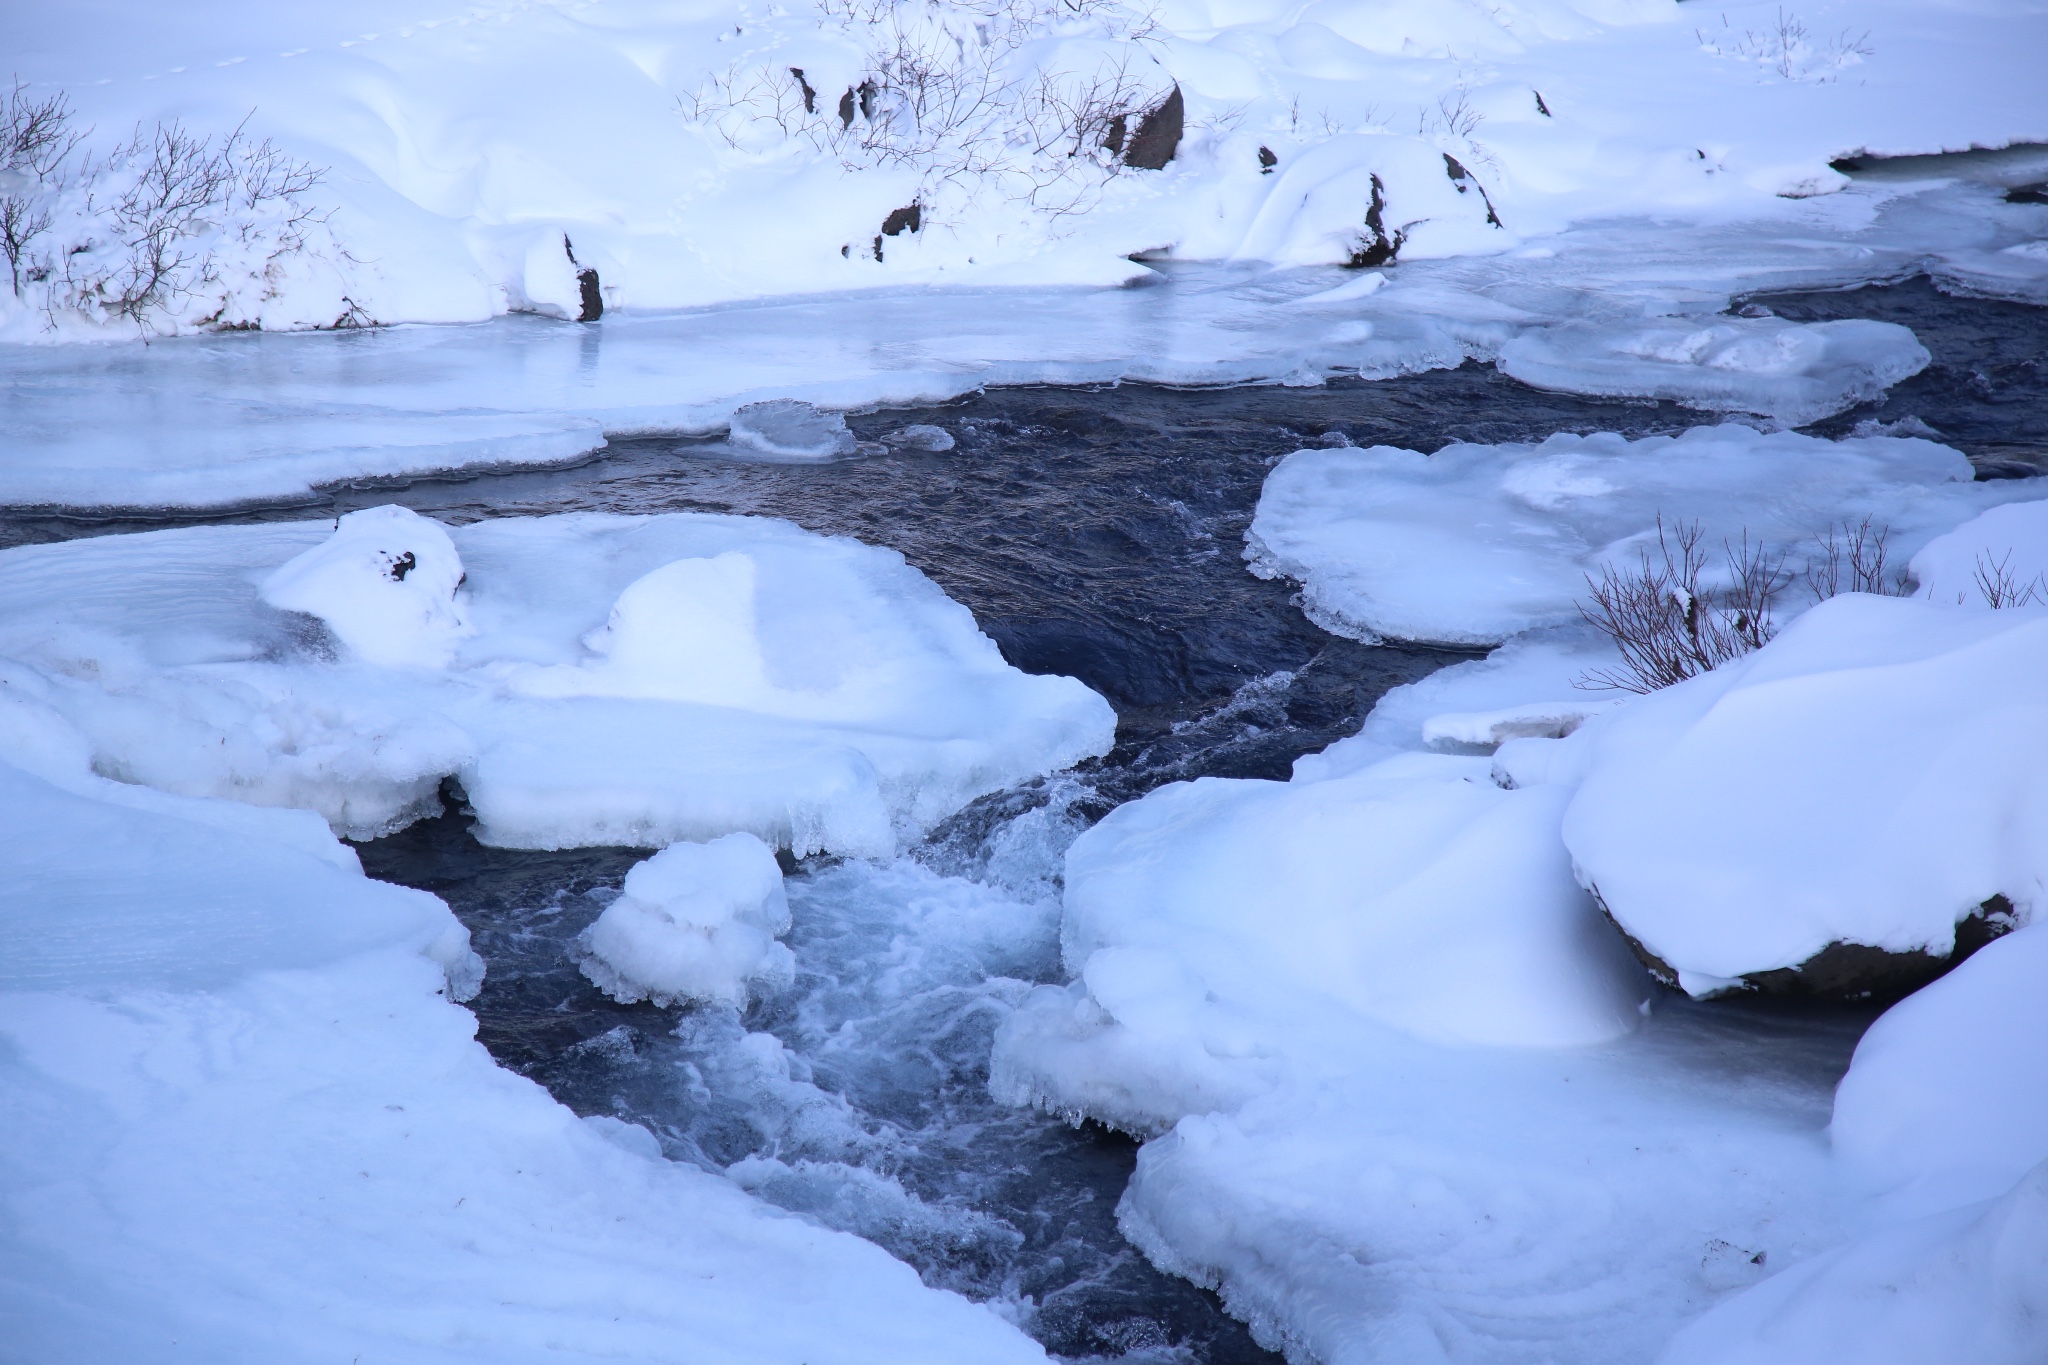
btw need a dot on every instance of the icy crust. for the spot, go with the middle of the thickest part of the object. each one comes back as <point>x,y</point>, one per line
<point>1966,1284</point>
<point>246,1125</point>
<point>1477,543</point>
<point>1870,777</point>
<point>620,680</point>
<point>1791,372</point>
<point>695,922</point>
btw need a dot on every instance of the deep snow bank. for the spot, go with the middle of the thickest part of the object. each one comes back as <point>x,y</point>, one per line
<point>596,679</point>
<point>482,157</point>
<point>245,1124</point>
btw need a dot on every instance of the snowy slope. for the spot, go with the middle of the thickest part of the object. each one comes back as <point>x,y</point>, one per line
<point>671,144</point>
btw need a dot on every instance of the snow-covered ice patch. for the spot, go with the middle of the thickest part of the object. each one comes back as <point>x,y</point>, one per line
<point>1793,373</point>
<point>1873,776</point>
<point>627,680</point>
<point>695,922</point>
<point>1477,543</point>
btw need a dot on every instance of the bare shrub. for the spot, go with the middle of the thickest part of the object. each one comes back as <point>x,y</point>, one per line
<point>1787,49</point>
<point>1668,623</point>
<point>1998,587</point>
<point>1854,558</point>
<point>36,140</point>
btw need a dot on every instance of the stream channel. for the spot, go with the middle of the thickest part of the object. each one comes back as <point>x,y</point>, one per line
<point>1095,533</point>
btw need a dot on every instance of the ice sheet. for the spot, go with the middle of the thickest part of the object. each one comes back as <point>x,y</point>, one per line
<point>624,680</point>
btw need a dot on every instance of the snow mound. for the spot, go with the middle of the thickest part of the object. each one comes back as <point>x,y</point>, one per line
<point>1967,1284</point>
<point>628,680</point>
<point>1874,775</point>
<point>1416,894</point>
<point>1791,372</point>
<point>789,429</point>
<point>1480,542</point>
<point>246,1119</point>
<point>385,584</point>
<point>2007,545</point>
<point>696,922</point>
<point>1947,1098</point>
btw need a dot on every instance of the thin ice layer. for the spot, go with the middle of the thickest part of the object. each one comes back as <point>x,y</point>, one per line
<point>630,680</point>
<point>1477,543</point>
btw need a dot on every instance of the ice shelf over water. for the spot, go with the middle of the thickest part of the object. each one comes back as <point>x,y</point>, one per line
<point>593,680</point>
<point>1625,307</point>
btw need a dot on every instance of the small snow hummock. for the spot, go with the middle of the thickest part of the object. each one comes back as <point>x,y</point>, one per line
<point>2003,551</point>
<point>1872,777</point>
<point>385,583</point>
<point>697,922</point>
<point>790,429</point>
<point>1477,543</point>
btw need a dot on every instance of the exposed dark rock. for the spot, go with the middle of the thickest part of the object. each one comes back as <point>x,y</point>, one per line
<point>1267,161</point>
<point>589,294</point>
<point>1845,164</point>
<point>1377,246</point>
<point>2028,194</point>
<point>903,220</point>
<point>846,108</point>
<point>1467,182</point>
<point>878,246</point>
<point>1541,107</point>
<point>868,91</point>
<point>402,566</point>
<point>1158,135</point>
<point>1113,135</point>
<point>1852,971</point>
<point>810,95</point>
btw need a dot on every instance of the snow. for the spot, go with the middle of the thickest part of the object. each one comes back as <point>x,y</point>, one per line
<point>246,1123</point>
<point>1968,1284</point>
<point>1477,543</point>
<point>695,922</point>
<point>1871,776</point>
<point>479,158</point>
<point>629,680</point>
<point>2009,542</point>
<point>1946,1101</point>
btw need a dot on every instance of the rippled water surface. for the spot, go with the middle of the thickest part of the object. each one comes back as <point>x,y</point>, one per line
<point>1095,533</point>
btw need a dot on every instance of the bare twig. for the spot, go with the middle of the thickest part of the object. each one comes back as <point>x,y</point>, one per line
<point>1667,624</point>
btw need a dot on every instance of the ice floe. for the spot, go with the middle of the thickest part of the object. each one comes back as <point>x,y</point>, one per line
<point>1474,543</point>
<point>626,680</point>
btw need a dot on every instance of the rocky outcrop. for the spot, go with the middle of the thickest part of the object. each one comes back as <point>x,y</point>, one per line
<point>1158,136</point>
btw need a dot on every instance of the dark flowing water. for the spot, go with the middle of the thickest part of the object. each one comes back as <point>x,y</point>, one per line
<point>1095,533</point>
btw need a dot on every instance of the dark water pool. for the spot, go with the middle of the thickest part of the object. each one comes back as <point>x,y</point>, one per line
<point>1094,533</point>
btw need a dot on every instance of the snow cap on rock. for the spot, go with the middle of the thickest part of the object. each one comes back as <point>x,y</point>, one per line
<point>696,922</point>
<point>385,583</point>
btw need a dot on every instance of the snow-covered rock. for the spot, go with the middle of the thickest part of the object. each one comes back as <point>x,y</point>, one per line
<point>696,922</point>
<point>629,680</point>
<point>1966,1284</point>
<point>246,1124</point>
<point>385,583</point>
<point>1477,543</point>
<point>2003,551</point>
<point>1840,812</point>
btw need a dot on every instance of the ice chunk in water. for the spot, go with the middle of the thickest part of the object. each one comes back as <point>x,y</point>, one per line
<point>696,922</point>
<point>789,429</point>
<point>385,585</point>
<point>1793,372</point>
<point>923,436</point>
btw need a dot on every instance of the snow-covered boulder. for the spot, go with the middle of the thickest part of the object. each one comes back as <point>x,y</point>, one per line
<point>1417,894</point>
<point>1476,543</point>
<point>1965,1284</point>
<point>1792,372</point>
<point>696,922</point>
<point>385,583</point>
<point>626,680</point>
<point>1846,811</point>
